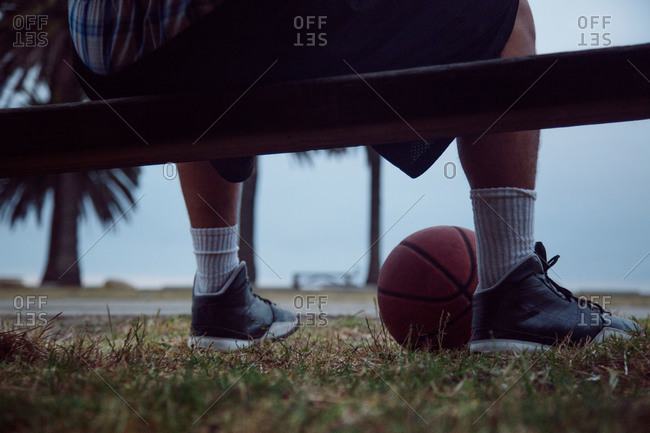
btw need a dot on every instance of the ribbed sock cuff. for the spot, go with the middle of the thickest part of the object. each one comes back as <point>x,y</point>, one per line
<point>503,219</point>
<point>216,251</point>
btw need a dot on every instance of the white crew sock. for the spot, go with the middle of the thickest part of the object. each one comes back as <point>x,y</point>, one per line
<point>216,255</point>
<point>503,219</point>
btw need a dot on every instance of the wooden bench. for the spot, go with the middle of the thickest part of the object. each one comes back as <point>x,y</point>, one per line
<point>547,91</point>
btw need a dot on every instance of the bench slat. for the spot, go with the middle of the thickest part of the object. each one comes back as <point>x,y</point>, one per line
<point>562,89</point>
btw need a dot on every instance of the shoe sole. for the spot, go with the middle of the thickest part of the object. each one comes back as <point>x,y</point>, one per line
<point>277,331</point>
<point>519,346</point>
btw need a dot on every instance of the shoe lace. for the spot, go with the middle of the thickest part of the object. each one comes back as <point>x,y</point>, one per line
<point>266,301</point>
<point>259,297</point>
<point>568,295</point>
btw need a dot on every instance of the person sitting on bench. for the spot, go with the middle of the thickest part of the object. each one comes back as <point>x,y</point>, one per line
<point>126,48</point>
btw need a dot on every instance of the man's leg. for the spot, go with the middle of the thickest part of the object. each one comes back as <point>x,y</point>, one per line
<point>225,313</point>
<point>501,170</point>
<point>502,160</point>
<point>211,201</point>
<point>516,306</point>
<point>212,205</point>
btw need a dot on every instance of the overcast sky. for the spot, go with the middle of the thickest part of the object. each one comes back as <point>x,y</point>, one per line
<point>593,204</point>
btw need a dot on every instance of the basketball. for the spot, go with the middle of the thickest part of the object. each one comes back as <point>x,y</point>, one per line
<point>425,288</point>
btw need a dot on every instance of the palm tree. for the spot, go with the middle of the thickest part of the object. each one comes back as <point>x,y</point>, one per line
<point>106,191</point>
<point>31,68</point>
<point>25,61</point>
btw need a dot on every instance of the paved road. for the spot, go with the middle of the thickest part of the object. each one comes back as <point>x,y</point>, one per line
<point>303,302</point>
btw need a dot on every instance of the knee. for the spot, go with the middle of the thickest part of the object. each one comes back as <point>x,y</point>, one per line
<point>522,38</point>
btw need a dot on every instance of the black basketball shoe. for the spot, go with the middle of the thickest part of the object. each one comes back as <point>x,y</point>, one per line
<point>237,318</point>
<point>528,311</point>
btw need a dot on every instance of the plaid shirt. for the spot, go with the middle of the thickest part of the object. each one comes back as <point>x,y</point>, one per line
<point>111,34</point>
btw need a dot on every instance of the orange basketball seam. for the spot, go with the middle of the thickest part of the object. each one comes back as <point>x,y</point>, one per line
<point>434,262</point>
<point>418,298</point>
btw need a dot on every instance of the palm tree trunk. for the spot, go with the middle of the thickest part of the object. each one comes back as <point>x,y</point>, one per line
<point>375,195</point>
<point>247,224</point>
<point>62,264</point>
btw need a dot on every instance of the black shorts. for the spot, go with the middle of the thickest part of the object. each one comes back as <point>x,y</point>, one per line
<point>232,46</point>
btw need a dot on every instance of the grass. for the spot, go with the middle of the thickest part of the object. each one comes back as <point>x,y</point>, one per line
<point>138,375</point>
